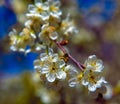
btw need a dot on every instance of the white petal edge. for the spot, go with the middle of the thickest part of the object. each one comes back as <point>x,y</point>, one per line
<point>61,75</point>
<point>73,82</point>
<point>50,77</point>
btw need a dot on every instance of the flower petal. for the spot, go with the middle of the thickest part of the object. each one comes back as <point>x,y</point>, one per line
<point>85,83</point>
<point>31,8</point>
<point>91,87</point>
<point>37,67</point>
<point>72,70</point>
<point>43,56</point>
<point>37,62</point>
<point>55,57</point>
<point>99,66</point>
<point>50,77</point>
<point>61,74</point>
<point>92,58</point>
<point>44,70</point>
<point>68,67</point>
<point>102,81</point>
<point>53,35</point>
<point>61,63</point>
<point>73,82</point>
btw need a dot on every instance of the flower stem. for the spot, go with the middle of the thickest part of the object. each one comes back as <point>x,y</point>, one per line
<point>80,66</point>
<point>62,48</point>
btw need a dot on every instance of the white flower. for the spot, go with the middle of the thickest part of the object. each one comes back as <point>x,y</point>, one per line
<point>94,63</point>
<point>51,65</point>
<point>109,92</point>
<point>39,10</point>
<point>22,41</point>
<point>44,10</point>
<point>68,26</point>
<point>15,41</point>
<point>89,78</point>
<point>48,33</point>
<point>92,80</point>
<point>13,35</point>
<point>76,79</point>
<point>54,8</point>
<point>28,24</point>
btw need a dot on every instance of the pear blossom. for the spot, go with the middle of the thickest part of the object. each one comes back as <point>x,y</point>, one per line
<point>68,26</point>
<point>90,76</point>
<point>43,29</point>
<point>51,65</point>
<point>54,8</point>
<point>43,10</point>
<point>15,41</point>
<point>39,10</point>
<point>47,33</point>
<point>94,63</point>
<point>20,41</point>
<point>90,79</point>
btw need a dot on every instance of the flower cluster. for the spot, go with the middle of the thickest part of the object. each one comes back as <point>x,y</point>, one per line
<point>91,76</point>
<point>17,41</point>
<point>45,30</point>
<point>45,10</point>
<point>51,65</point>
<point>43,26</point>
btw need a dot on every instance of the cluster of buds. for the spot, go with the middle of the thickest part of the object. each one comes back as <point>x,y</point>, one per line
<point>44,29</point>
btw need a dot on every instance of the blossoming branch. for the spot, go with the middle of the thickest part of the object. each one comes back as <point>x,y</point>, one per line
<point>45,32</point>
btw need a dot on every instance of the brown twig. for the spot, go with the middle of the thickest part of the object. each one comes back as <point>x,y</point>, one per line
<point>80,66</point>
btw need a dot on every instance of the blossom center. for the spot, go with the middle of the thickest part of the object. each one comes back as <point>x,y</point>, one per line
<point>53,68</point>
<point>93,63</point>
<point>80,76</point>
<point>53,8</point>
<point>39,9</point>
<point>92,79</point>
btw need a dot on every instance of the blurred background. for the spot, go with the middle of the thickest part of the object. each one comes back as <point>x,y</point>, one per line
<point>99,24</point>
